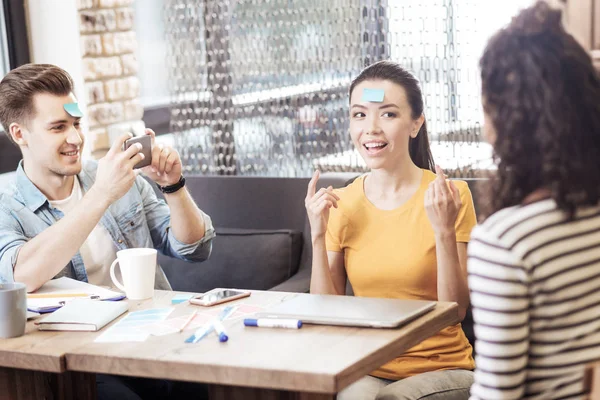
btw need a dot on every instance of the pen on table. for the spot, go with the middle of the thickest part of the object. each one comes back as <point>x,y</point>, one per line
<point>200,333</point>
<point>220,330</point>
<point>187,321</point>
<point>59,295</point>
<point>273,323</point>
<point>115,298</point>
<point>96,297</point>
<point>208,327</point>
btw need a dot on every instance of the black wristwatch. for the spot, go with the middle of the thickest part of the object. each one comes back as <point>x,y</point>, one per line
<point>174,187</point>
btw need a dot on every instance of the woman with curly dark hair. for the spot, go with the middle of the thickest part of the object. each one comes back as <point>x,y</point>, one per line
<point>534,263</point>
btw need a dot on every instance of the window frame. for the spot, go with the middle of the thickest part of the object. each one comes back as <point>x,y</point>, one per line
<point>17,37</point>
<point>17,44</point>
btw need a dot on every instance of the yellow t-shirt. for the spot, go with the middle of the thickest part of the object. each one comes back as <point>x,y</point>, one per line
<point>391,253</point>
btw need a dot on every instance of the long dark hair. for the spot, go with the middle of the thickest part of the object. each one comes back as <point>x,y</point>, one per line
<point>542,95</point>
<point>418,148</point>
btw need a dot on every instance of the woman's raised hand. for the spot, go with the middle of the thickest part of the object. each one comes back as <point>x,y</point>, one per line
<point>318,205</point>
<point>442,203</point>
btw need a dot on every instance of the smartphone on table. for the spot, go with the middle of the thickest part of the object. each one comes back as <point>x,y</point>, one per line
<point>146,142</point>
<point>218,296</point>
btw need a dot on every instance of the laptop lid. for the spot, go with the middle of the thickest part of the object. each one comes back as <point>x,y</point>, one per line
<point>349,310</point>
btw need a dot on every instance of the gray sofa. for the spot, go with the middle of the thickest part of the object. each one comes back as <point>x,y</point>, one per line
<point>263,236</point>
<point>9,154</point>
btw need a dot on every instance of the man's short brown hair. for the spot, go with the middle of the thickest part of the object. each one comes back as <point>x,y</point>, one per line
<point>20,85</point>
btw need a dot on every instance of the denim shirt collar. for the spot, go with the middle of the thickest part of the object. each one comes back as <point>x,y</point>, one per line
<point>33,197</point>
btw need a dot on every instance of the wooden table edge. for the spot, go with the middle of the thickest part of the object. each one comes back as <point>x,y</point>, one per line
<point>447,317</point>
<point>55,364</point>
<point>325,382</point>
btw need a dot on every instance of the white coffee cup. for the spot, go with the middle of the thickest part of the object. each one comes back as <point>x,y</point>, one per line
<point>138,267</point>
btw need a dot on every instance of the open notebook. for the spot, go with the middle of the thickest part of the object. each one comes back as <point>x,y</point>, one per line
<point>57,292</point>
<point>83,315</point>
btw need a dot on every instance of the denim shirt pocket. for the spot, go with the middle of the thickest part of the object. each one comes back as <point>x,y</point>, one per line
<point>131,223</point>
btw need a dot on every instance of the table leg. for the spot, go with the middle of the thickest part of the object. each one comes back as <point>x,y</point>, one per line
<point>220,392</point>
<point>23,384</point>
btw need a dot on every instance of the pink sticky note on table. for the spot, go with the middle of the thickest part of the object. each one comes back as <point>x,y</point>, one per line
<point>249,309</point>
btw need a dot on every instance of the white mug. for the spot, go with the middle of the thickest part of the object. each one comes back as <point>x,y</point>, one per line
<point>138,267</point>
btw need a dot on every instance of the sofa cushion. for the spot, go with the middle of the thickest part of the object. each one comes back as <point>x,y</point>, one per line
<point>9,154</point>
<point>241,258</point>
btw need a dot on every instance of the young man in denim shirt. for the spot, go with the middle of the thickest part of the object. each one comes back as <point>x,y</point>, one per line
<point>68,217</point>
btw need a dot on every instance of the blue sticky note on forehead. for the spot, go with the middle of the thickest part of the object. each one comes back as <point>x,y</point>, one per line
<point>73,110</point>
<point>375,95</point>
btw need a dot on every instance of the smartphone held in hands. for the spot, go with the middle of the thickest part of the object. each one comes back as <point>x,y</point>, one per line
<point>146,142</point>
<point>218,296</point>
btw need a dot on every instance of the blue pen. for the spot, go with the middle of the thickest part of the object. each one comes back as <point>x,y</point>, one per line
<point>200,333</point>
<point>204,330</point>
<point>116,298</point>
<point>45,310</point>
<point>220,330</point>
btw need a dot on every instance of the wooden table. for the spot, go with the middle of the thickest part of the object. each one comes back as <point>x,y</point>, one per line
<point>314,362</point>
<point>33,366</point>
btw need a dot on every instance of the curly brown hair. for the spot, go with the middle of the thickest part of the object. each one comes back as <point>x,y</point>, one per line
<point>542,95</point>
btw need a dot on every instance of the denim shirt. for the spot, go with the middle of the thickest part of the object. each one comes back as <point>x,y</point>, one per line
<point>138,219</point>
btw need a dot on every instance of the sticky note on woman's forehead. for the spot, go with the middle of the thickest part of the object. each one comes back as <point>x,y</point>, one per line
<point>375,95</point>
<point>73,110</point>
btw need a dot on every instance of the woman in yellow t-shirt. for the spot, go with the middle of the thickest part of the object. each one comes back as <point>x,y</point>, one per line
<point>400,231</point>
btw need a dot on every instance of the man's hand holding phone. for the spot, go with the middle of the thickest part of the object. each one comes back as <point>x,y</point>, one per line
<point>165,168</point>
<point>115,174</point>
<point>146,142</point>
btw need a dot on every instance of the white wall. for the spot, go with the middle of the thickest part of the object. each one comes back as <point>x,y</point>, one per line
<point>54,39</point>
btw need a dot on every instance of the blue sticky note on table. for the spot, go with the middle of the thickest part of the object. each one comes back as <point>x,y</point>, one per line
<point>73,110</point>
<point>375,95</point>
<point>180,298</point>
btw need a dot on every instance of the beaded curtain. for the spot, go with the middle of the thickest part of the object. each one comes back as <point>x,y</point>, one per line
<point>260,87</point>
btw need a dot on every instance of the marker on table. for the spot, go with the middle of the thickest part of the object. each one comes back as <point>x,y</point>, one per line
<point>220,329</point>
<point>205,329</point>
<point>200,333</point>
<point>273,323</point>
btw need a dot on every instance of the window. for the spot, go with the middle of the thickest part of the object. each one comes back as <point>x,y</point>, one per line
<point>152,56</point>
<point>152,52</point>
<point>14,51</point>
<point>260,87</point>
<point>4,57</point>
<point>441,42</point>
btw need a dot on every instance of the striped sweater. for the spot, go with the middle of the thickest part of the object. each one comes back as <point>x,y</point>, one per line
<point>534,278</point>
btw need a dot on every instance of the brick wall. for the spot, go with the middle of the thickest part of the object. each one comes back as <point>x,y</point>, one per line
<point>110,66</point>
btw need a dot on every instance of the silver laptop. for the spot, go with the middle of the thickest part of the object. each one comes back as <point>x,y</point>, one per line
<point>349,310</point>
